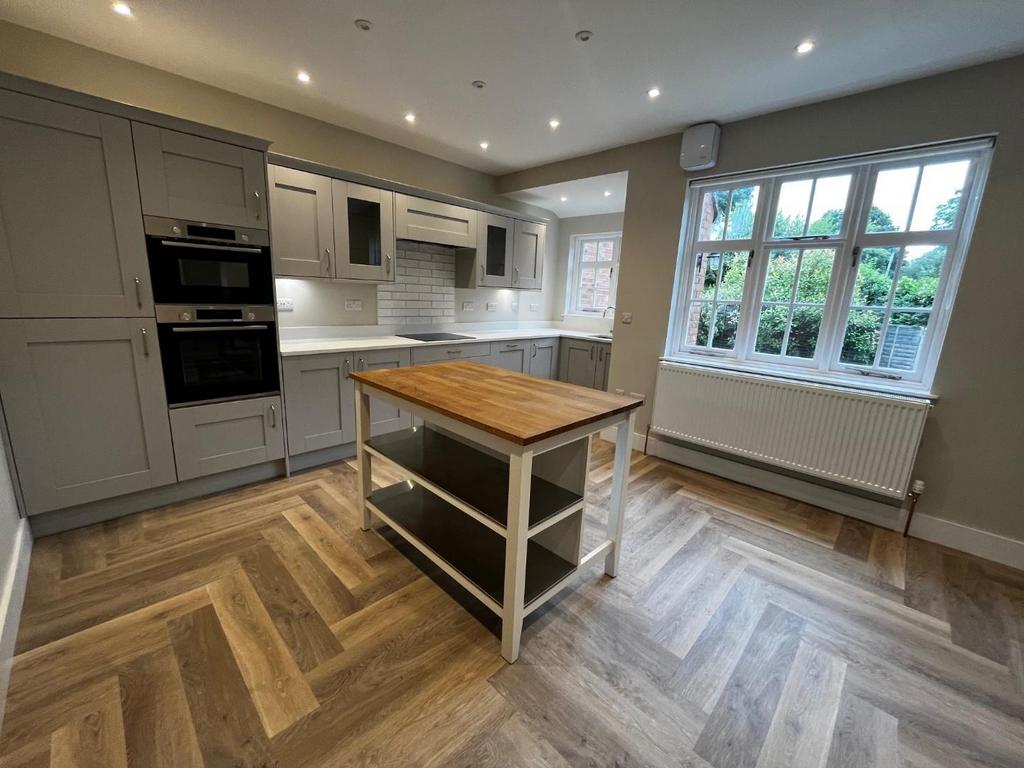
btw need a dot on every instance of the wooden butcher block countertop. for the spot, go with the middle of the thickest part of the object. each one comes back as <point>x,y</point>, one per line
<point>519,408</point>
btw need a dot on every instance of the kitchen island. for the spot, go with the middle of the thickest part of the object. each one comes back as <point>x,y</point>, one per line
<point>495,478</point>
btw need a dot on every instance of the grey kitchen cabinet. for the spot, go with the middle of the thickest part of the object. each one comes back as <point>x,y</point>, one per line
<point>86,409</point>
<point>384,417</point>
<point>478,351</point>
<point>364,232</point>
<point>320,401</point>
<point>543,360</point>
<point>430,221</point>
<point>494,249</point>
<point>585,362</point>
<point>220,436</point>
<point>528,255</point>
<point>303,233</point>
<point>510,355</point>
<point>71,237</point>
<point>187,177</point>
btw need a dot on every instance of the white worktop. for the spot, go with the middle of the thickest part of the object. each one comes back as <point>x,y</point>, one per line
<point>293,347</point>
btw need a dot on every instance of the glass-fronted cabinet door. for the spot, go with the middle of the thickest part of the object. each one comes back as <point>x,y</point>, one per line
<point>364,232</point>
<point>494,250</point>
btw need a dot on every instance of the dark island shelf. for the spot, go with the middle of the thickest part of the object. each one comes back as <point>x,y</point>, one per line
<point>476,478</point>
<point>474,550</point>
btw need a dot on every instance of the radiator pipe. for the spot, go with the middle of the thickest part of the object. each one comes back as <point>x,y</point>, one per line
<point>916,489</point>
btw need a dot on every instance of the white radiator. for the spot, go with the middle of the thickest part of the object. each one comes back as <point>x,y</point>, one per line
<point>862,439</point>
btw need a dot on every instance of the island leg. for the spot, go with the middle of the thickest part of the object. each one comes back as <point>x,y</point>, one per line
<point>365,484</point>
<point>616,504</point>
<point>519,470</point>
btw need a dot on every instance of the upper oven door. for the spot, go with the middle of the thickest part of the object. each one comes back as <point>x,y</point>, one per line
<point>218,361</point>
<point>189,272</point>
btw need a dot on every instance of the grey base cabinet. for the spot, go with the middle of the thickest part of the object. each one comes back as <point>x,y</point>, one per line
<point>543,360</point>
<point>510,355</point>
<point>320,402</point>
<point>584,363</point>
<point>86,409</point>
<point>220,436</point>
<point>384,417</point>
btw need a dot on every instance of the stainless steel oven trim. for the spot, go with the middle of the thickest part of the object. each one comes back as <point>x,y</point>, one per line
<point>221,328</point>
<point>162,227</point>
<point>209,246</point>
<point>172,313</point>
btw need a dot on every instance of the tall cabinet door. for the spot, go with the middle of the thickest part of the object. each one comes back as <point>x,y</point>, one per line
<point>494,250</point>
<point>364,232</point>
<point>71,239</point>
<point>303,233</point>
<point>86,409</point>
<point>187,177</point>
<point>528,264</point>
<point>384,417</point>
<point>319,401</point>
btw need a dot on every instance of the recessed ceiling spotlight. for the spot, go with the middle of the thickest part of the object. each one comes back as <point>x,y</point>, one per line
<point>478,83</point>
<point>303,77</point>
<point>805,47</point>
<point>484,145</point>
<point>563,198</point>
<point>122,9</point>
<point>554,123</point>
<point>653,93</point>
<point>607,193</point>
<point>583,35</point>
<point>410,117</point>
<point>364,24</point>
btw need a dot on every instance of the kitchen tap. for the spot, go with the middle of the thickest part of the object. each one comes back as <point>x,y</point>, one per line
<point>604,312</point>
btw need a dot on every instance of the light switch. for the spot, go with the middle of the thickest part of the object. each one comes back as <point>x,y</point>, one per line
<point>627,318</point>
<point>285,305</point>
<point>468,306</point>
<point>353,305</point>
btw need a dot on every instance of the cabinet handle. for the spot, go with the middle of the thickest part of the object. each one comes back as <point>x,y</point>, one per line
<point>362,364</point>
<point>259,204</point>
<point>511,346</point>
<point>145,342</point>
<point>138,291</point>
<point>534,352</point>
<point>327,255</point>
<point>347,368</point>
<point>387,264</point>
<point>481,273</point>
<point>273,417</point>
<point>591,353</point>
<point>454,351</point>
<point>515,274</point>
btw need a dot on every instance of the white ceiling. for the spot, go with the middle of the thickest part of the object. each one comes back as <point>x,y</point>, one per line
<point>583,197</point>
<point>713,60</point>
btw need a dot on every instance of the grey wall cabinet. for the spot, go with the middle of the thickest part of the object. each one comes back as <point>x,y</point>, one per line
<point>585,363</point>
<point>528,258</point>
<point>543,360</point>
<point>510,355</point>
<point>215,438</point>
<point>384,417</point>
<point>71,238</point>
<point>187,177</point>
<point>494,249</point>
<point>432,222</point>
<point>320,401</point>
<point>364,232</point>
<point>303,233</point>
<point>85,408</point>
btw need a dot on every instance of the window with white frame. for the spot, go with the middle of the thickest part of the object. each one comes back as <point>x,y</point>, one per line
<point>593,273</point>
<point>837,271</point>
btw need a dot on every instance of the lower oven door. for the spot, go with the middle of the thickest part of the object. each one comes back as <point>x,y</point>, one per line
<point>218,361</point>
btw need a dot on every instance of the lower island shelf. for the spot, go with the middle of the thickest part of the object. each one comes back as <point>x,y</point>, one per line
<point>473,550</point>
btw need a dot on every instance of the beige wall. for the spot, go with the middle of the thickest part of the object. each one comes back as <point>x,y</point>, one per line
<point>973,450</point>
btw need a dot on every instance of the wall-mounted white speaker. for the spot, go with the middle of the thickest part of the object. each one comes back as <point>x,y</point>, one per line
<point>700,147</point>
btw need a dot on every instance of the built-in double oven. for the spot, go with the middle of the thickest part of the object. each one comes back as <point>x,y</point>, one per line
<point>214,291</point>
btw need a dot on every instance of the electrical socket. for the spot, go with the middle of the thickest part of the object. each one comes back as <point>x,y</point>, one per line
<point>353,305</point>
<point>492,306</point>
<point>285,305</point>
<point>620,391</point>
<point>468,306</point>
<point>535,307</point>
<point>515,306</point>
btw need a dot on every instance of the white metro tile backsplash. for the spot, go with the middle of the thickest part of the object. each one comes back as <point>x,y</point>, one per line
<point>424,287</point>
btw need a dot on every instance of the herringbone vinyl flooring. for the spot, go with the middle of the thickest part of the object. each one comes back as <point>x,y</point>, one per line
<point>261,627</point>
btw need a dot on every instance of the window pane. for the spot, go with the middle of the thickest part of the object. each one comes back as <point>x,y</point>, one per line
<point>741,213</point>
<point>771,328</point>
<point>861,340</point>
<point>603,288</point>
<point>698,324</point>
<point>815,274</point>
<point>791,212</point>
<point>712,214</point>
<point>803,332</point>
<point>726,321</point>
<point>919,275</point>
<point>586,288</point>
<point>606,250</point>
<point>903,340</point>
<point>734,273</point>
<point>874,276</point>
<point>830,195</point>
<point>938,199</point>
<point>705,275</point>
<point>894,193</point>
<point>781,274</point>
<point>589,250</point>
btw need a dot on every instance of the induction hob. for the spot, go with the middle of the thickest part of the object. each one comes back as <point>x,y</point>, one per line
<point>433,336</point>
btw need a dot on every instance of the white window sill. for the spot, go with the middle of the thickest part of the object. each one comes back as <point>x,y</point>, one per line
<point>862,384</point>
